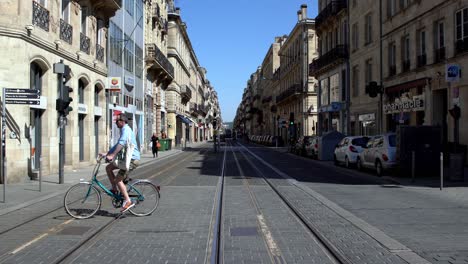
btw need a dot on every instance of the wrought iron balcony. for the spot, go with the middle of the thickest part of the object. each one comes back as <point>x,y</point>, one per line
<point>100,51</point>
<point>439,55</point>
<point>85,43</point>
<point>461,45</point>
<point>422,60</point>
<point>40,16</point>
<point>194,108</point>
<point>337,54</point>
<point>158,61</point>
<point>291,91</point>
<point>405,66</point>
<point>103,9</point>
<point>267,99</point>
<point>66,31</point>
<point>332,9</point>
<point>185,92</point>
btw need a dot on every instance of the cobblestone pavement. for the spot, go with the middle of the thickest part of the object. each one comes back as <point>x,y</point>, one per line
<point>367,219</point>
<point>416,222</point>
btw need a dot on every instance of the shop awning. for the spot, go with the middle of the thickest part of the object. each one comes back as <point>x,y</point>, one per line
<point>193,121</point>
<point>184,119</point>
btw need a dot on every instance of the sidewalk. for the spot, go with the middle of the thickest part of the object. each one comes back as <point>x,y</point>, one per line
<point>419,181</point>
<point>19,195</point>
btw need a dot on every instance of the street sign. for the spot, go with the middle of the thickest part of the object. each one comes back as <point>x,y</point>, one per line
<point>452,73</point>
<point>23,91</point>
<point>22,96</point>
<point>27,102</point>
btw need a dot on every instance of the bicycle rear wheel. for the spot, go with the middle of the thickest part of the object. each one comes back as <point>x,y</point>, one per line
<point>82,200</point>
<point>145,196</point>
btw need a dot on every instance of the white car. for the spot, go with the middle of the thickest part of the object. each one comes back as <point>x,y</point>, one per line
<point>347,151</point>
<point>379,154</point>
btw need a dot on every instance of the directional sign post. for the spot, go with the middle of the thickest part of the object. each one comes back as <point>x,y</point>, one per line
<point>22,96</point>
<point>13,96</point>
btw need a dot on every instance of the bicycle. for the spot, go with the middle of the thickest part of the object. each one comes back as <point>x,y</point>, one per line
<point>83,200</point>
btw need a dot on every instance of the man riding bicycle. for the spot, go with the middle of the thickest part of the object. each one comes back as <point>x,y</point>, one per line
<point>117,181</point>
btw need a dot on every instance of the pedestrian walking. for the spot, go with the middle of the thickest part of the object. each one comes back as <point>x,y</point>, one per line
<point>155,144</point>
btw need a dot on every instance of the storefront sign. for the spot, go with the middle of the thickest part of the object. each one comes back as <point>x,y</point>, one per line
<point>130,81</point>
<point>114,84</point>
<point>405,104</point>
<point>367,117</point>
<point>82,109</point>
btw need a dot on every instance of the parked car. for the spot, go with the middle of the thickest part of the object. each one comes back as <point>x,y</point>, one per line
<point>299,148</point>
<point>347,151</point>
<point>379,154</point>
<point>311,149</point>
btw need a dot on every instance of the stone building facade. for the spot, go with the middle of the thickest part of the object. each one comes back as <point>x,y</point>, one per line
<point>281,97</point>
<point>34,36</point>
<point>159,71</point>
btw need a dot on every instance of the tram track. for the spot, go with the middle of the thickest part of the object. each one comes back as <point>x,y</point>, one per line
<point>333,252</point>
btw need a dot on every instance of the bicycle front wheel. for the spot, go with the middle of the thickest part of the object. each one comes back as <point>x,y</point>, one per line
<point>82,200</point>
<point>145,196</point>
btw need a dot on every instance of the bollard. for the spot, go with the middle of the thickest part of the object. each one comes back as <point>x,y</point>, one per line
<point>441,171</point>
<point>413,158</point>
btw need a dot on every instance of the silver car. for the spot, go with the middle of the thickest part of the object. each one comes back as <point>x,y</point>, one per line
<point>379,154</point>
<point>347,151</point>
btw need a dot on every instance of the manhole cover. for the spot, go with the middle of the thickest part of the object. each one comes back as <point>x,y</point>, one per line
<point>74,230</point>
<point>244,231</point>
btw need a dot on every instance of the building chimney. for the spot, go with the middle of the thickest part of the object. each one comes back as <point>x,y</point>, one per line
<point>177,10</point>
<point>304,11</point>
<point>299,16</point>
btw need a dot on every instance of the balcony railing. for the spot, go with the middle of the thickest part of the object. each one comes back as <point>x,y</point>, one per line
<point>186,92</point>
<point>100,51</point>
<point>267,99</point>
<point>391,70</point>
<point>406,65</point>
<point>155,54</point>
<point>66,31</point>
<point>293,90</point>
<point>336,54</point>
<point>40,16</point>
<point>422,60</point>
<point>439,55</point>
<point>85,43</point>
<point>461,45</point>
<point>333,8</point>
<point>193,108</point>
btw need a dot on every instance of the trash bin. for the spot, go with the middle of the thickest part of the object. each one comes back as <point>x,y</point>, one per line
<point>169,143</point>
<point>163,146</point>
<point>457,166</point>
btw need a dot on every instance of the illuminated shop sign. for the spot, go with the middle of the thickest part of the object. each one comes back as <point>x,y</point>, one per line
<point>405,104</point>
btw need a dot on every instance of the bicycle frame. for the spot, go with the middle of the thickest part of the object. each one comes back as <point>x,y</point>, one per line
<point>95,181</point>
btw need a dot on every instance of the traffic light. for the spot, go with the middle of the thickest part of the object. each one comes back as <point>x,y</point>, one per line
<point>373,89</point>
<point>291,118</point>
<point>64,100</point>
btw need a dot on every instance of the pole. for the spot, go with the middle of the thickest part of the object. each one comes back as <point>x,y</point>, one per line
<point>441,171</point>
<point>61,122</point>
<point>3,141</point>
<point>40,173</point>
<point>413,158</point>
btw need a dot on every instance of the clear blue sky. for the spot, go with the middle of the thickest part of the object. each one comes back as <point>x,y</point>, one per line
<point>231,38</point>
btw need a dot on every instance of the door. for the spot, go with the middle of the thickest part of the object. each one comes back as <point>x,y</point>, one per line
<point>35,119</point>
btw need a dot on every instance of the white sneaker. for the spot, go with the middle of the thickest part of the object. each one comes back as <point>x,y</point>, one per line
<point>126,205</point>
